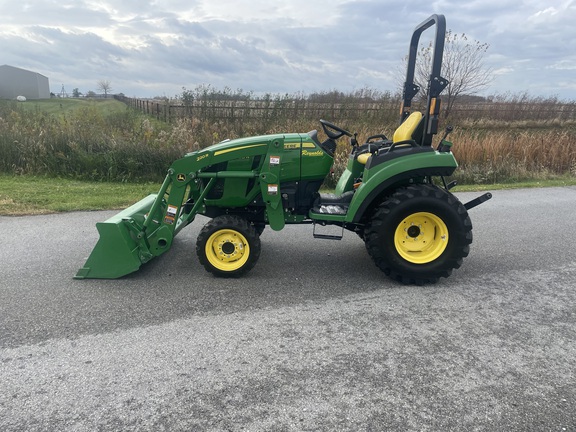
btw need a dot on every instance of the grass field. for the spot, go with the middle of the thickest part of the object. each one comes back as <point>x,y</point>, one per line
<point>83,154</point>
<point>29,195</point>
<point>83,139</point>
<point>67,106</point>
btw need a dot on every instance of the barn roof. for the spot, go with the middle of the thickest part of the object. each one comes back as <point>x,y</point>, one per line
<point>5,66</point>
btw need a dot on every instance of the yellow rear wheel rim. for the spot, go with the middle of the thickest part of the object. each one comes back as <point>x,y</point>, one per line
<point>421,238</point>
<point>227,250</point>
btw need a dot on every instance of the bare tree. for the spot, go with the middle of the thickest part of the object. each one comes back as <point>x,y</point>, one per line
<point>104,86</point>
<point>463,66</point>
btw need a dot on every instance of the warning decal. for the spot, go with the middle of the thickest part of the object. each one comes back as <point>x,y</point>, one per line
<point>171,210</point>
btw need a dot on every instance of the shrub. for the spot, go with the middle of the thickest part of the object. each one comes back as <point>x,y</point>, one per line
<point>124,145</point>
<point>87,144</point>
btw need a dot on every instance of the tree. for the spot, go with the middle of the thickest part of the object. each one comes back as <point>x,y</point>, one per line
<point>76,93</point>
<point>104,86</point>
<point>462,65</point>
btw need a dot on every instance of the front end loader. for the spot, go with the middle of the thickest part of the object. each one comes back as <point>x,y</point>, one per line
<point>393,194</point>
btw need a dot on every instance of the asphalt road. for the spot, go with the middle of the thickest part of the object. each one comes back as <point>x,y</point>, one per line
<point>315,338</point>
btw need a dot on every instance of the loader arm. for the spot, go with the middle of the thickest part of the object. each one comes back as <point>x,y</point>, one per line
<point>147,229</point>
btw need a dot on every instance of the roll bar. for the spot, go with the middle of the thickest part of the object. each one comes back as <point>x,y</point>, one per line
<point>435,82</point>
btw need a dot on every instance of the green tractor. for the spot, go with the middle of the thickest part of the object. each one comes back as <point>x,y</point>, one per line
<point>393,194</point>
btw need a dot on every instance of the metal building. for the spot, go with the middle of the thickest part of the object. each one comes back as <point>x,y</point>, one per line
<point>16,82</point>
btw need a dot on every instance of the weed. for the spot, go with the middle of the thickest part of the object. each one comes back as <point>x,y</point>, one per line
<point>509,139</point>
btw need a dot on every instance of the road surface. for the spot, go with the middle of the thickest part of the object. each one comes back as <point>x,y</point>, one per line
<point>315,338</point>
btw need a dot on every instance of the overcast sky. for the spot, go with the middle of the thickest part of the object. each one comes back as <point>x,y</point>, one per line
<point>151,48</point>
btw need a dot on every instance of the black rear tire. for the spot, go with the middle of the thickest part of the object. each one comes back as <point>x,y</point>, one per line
<point>419,234</point>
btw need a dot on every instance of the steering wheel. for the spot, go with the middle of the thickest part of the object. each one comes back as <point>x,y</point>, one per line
<point>329,129</point>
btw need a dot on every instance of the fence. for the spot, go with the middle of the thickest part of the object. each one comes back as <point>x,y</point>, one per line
<point>358,111</point>
<point>263,110</point>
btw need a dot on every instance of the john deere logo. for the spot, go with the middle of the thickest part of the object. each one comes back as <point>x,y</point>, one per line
<point>181,177</point>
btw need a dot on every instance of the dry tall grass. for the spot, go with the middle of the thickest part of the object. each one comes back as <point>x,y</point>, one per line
<point>127,146</point>
<point>498,156</point>
<point>514,155</point>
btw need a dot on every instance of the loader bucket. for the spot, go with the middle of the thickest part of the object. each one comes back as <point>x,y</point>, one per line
<point>117,252</point>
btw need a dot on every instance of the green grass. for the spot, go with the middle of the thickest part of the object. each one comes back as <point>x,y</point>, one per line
<point>24,195</point>
<point>83,139</point>
<point>64,106</point>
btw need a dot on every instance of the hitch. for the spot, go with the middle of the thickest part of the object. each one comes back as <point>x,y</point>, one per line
<point>477,201</point>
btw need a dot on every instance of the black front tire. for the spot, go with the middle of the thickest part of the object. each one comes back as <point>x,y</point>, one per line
<point>228,246</point>
<point>419,234</point>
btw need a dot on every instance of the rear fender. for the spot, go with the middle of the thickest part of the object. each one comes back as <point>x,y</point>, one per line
<point>381,180</point>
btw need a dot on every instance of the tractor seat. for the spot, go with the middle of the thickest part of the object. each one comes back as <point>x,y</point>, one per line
<point>410,130</point>
<point>363,158</point>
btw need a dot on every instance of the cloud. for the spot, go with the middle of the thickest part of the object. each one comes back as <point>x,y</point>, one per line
<point>564,65</point>
<point>149,47</point>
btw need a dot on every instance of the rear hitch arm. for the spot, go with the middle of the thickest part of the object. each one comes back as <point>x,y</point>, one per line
<point>477,201</point>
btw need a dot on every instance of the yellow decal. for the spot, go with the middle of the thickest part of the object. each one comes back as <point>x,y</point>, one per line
<point>291,146</point>
<point>237,148</point>
<point>308,145</point>
<point>204,156</point>
<point>432,106</point>
<point>312,153</point>
<point>181,177</point>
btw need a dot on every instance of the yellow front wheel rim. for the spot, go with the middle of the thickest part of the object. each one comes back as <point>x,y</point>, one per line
<point>421,238</point>
<point>227,250</point>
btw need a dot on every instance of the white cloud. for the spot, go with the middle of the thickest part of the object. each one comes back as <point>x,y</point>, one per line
<point>148,47</point>
<point>503,71</point>
<point>564,65</point>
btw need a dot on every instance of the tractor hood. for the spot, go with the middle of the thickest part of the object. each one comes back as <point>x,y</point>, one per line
<point>229,145</point>
<point>240,148</point>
